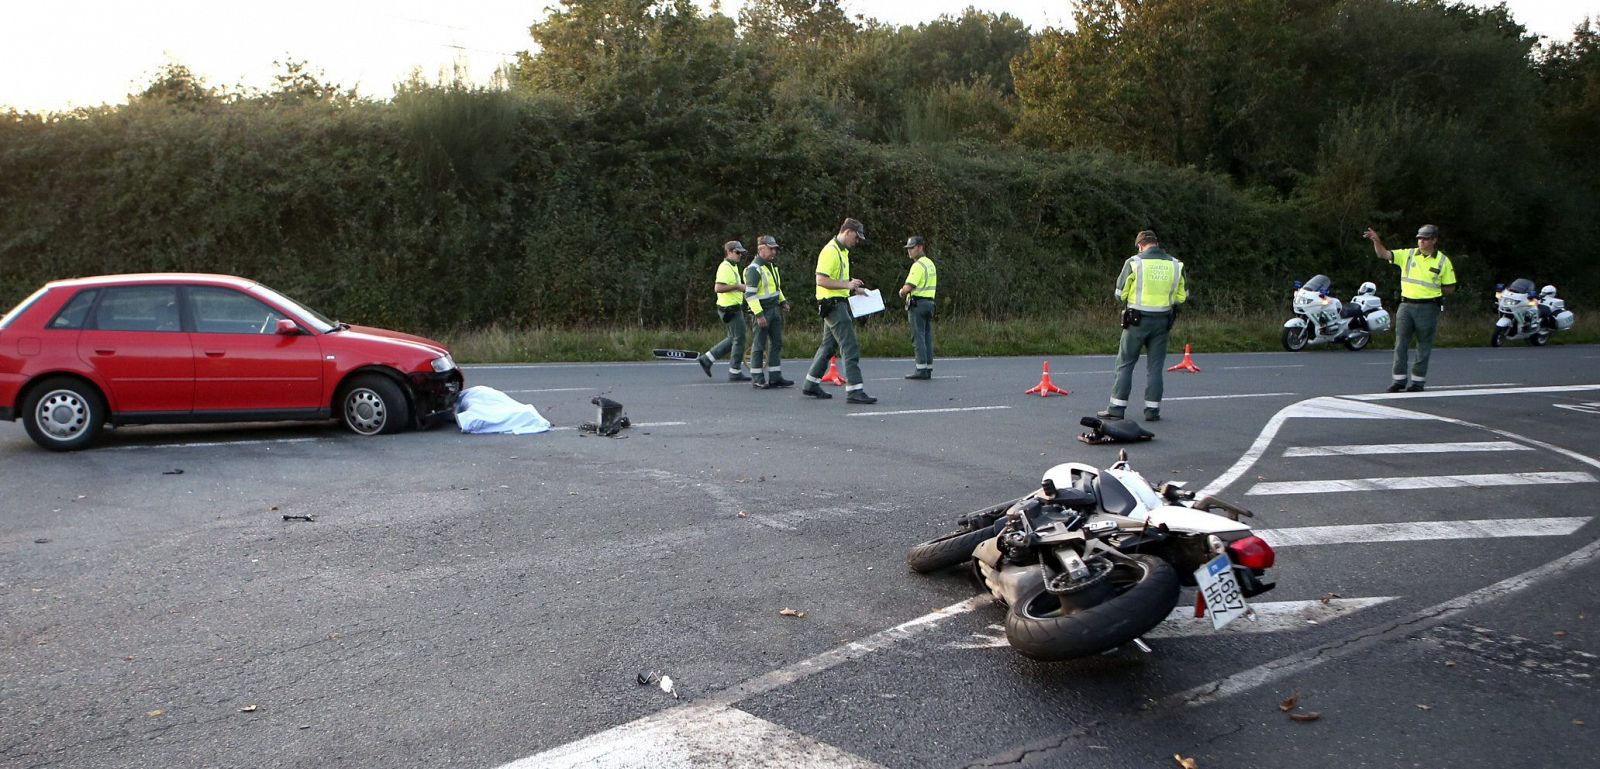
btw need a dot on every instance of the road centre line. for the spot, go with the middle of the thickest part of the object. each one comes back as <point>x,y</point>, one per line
<point>1271,617</point>
<point>1458,393</point>
<point>1218,397</point>
<point>1483,480</point>
<point>896,378</point>
<point>1288,365</point>
<point>1304,536</point>
<point>209,444</point>
<point>1402,448</point>
<point>923,411</point>
<point>1466,386</point>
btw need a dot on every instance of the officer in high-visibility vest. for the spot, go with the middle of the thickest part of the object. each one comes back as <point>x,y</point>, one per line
<point>1153,285</point>
<point>834,287</point>
<point>1426,275</point>
<point>764,296</point>
<point>730,309</point>
<point>922,283</point>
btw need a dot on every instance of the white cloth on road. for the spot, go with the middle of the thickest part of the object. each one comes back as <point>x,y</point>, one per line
<point>484,410</point>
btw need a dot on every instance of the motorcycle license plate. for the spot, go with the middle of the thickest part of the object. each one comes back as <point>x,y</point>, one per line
<point>1224,602</point>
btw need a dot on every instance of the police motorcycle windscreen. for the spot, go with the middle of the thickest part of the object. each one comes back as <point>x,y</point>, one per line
<point>1095,558</point>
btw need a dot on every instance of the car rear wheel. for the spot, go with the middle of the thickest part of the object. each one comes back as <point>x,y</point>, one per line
<point>63,414</point>
<point>372,404</point>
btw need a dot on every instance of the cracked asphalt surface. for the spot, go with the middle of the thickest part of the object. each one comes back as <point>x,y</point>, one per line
<point>470,600</point>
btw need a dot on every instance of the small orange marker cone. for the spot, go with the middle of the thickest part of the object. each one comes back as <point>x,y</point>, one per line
<point>1187,364</point>
<point>832,377</point>
<point>1045,387</point>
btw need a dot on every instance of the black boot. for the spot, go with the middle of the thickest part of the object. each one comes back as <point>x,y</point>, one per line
<point>814,391</point>
<point>1398,386</point>
<point>859,396</point>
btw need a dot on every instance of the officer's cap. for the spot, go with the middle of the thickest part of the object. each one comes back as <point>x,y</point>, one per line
<point>914,241</point>
<point>768,241</point>
<point>1428,231</point>
<point>733,245</point>
<point>854,224</point>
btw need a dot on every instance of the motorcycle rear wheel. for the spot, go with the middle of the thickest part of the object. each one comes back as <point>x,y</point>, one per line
<point>1044,627</point>
<point>1358,340</point>
<point>1296,337</point>
<point>1539,338</point>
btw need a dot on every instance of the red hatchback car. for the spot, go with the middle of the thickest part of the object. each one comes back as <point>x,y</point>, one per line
<point>161,348</point>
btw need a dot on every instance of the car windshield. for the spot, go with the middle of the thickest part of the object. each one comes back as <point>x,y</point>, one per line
<point>18,310</point>
<point>313,318</point>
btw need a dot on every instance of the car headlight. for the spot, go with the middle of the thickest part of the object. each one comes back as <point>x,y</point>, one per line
<point>442,364</point>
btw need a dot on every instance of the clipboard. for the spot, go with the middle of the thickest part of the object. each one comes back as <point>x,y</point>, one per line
<point>862,305</point>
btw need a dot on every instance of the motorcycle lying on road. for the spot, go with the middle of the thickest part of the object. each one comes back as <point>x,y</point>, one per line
<point>1524,317</point>
<point>1094,559</point>
<point>1320,318</point>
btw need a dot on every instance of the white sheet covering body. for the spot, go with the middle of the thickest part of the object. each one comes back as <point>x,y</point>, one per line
<point>483,410</point>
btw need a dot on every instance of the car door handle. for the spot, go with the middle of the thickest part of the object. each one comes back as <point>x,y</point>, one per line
<point>215,353</point>
<point>105,352</point>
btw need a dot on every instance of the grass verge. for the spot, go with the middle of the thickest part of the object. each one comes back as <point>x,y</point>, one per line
<point>1076,333</point>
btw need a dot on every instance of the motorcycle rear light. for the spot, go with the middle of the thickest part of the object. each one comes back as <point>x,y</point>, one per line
<point>1252,552</point>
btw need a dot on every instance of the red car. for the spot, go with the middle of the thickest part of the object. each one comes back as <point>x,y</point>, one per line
<point>163,348</point>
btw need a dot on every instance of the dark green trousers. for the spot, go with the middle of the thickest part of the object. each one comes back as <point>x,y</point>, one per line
<point>1414,321</point>
<point>1150,336</point>
<point>920,315</point>
<point>838,339</point>
<point>733,342</point>
<point>766,353</point>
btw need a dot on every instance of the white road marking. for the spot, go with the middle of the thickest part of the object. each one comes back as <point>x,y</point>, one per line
<point>923,411</point>
<point>1402,448</point>
<point>1288,365</point>
<point>1325,407</point>
<point>1304,536</point>
<point>554,390</point>
<point>1466,386</point>
<point>656,731</point>
<point>1418,482</point>
<point>635,424</point>
<point>1459,393</point>
<point>209,444</point>
<point>1271,617</point>
<point>696,736</point>
<point>896,378</point>
<point>1300,662</point>
<point>1219,397</point>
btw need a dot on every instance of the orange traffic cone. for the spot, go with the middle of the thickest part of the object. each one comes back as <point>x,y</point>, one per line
<point>832,377</point>
<point>1187,364</point>
<point>1045,387</point>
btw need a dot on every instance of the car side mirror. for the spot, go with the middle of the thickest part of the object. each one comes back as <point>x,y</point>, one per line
<point>288,327</point>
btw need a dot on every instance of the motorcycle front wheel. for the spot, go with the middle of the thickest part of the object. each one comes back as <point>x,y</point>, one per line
<point>1498,338</point>
<point>1295,338</point>
<point>1139,593</point>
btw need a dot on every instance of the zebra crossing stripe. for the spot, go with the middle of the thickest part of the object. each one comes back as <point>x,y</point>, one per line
<point>1422,530</point>
<point>1417,482</point>
<point>1403,448</point>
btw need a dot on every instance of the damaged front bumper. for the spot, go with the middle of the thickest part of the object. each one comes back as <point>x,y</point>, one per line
<point>435,393</point>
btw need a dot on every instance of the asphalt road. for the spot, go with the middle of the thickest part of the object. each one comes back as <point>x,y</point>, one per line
<point>481,600</point>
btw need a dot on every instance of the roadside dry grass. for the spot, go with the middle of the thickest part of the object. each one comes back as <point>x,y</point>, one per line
<point>1077,333</point>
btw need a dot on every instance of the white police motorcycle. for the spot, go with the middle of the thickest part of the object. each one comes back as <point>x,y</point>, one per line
<point>1320,318</point>
<point>1522,316</point>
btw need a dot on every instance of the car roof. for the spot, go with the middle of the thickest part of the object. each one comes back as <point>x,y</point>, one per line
<point>192,278</point>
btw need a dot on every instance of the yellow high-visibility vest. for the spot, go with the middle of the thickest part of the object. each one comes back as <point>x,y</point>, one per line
<point>728,273</point>
<point>1154,284</point>
<point>1423,276</point>
<point>923,278</point>
<point>833,262</point>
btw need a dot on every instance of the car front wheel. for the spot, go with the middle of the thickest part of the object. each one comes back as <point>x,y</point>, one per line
<point>63,414</point>
<point>372,404</point>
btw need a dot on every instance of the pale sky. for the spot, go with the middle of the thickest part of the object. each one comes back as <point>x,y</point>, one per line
<point>60,54</point>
